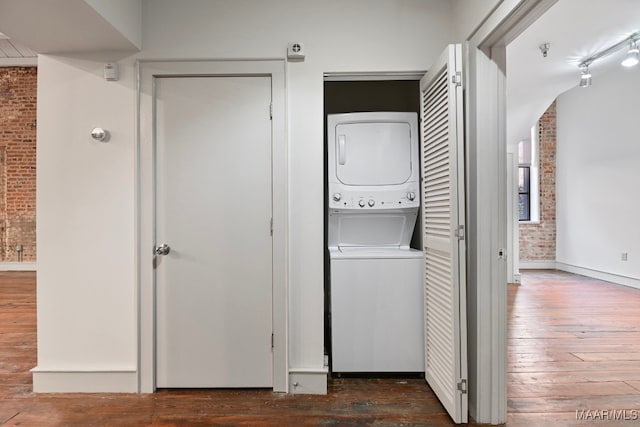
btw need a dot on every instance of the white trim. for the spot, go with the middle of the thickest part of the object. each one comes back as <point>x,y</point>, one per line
<point>537,265</point>
<point>18,266</point>
<point>487,235</point>
<point>488,396</point>
<point>583,271</point>
<point>145,204</point>
<point>87,381</point>
<point>308,381</point>
<point>513,230</point>
<point>19,62</point>
<point>373,76</point>
<point>600,275</point>
<point>324,370</point>
<point>507,21</point>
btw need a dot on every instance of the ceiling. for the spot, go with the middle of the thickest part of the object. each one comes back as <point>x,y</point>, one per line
<point>575,29</point>
<point>68,26</point>
<point>13,52</point>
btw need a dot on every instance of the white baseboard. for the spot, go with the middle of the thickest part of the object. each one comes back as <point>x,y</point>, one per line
<point>48,381</point>
<point>308,381</point>
<point>600,275</point>
<point>537,265</point>
<point>18,266</point>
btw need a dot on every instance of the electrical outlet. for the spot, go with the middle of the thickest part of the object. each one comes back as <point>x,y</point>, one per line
<point>624,256</point>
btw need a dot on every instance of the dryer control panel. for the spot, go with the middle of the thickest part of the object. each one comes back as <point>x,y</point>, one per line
<point>373,199</point>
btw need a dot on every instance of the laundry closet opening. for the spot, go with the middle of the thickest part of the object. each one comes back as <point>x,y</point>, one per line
<point>373,280</point>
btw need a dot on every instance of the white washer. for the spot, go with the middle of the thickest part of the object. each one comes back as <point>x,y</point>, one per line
<point>377,310</point>
<point>376,279</point>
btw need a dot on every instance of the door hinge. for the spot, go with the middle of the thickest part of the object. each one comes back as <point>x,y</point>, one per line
<point>456,78</point>
<point>502,254</point>
<point>271,226</point>
<point>462,386</point>
<point>272,341</point>
<point>460,232</point>
<point>271,111</point>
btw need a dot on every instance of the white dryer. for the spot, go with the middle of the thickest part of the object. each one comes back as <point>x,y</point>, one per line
<point>376,281</point>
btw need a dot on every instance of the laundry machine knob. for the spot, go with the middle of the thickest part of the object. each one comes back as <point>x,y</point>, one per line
<point>411,195</point>
<point>337,197</point>
<point>361,203</point>
<point>372,202</point>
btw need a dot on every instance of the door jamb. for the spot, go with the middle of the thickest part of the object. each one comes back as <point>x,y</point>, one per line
<point>144,203</point>
<point>505,22</point>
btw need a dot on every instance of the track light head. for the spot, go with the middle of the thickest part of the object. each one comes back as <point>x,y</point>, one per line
<point>544,49</point>
<point>631,59</point>
<point>585,76</point>
<point>633,55</point>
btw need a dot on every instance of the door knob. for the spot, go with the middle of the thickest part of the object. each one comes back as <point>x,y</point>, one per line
<point>163,249</point>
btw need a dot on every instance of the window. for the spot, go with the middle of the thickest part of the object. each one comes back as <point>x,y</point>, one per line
<point>528,197</point>
<point>524,193</point>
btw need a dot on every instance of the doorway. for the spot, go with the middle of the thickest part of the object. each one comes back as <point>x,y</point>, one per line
<point>442,217</point>
<point>352,96</point>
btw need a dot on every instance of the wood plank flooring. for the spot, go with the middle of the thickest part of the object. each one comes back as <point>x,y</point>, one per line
<point>574,345</point>
<point>391,402</point>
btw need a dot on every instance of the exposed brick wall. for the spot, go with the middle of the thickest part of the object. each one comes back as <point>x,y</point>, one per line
<point>18,88</point>
<point>538,241</point>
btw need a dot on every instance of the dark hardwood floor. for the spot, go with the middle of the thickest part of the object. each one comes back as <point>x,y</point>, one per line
<point>574,345</point>
<point>573,351</point>
<point>391,402</point>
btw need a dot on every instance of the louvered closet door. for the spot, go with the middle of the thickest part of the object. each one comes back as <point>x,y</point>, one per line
<point>443,215</point>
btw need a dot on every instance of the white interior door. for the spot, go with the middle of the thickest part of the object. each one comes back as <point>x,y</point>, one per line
<point>443,212</point>
<point>213,209</point>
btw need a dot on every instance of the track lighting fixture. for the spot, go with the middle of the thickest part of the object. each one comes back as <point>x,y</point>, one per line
<point>585,76</point>
<point>632,57</point>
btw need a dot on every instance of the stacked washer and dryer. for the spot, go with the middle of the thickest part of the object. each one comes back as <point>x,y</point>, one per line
<point>376,278</point>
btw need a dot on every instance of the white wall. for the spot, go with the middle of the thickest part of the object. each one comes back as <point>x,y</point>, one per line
<point>86,286</point>
<point>598,175</point>
<point>124,15</point>
<point>86,310</point>
<point>468,15</point>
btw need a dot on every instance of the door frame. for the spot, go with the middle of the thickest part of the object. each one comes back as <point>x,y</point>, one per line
<point>488,390</point>
<point>147,71</point>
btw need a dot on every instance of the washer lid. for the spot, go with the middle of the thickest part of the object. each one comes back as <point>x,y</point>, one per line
<point>355,228</point>
<point>375,253</point>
